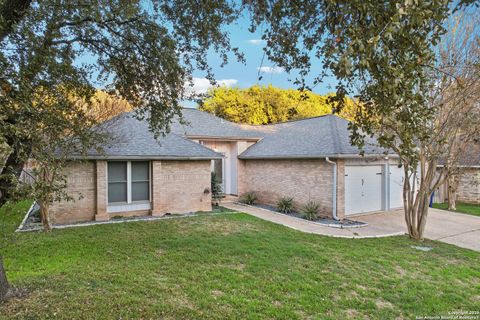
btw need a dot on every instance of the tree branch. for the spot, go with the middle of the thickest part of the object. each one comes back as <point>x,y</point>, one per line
<point>11,13</point>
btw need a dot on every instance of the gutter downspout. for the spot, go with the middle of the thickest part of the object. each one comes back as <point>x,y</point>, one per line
<point>334,202</point>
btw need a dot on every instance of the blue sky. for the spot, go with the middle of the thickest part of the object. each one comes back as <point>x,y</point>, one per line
<point>246,75</point>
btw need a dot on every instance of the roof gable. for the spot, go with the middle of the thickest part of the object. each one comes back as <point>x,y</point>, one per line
<point>130,137</point>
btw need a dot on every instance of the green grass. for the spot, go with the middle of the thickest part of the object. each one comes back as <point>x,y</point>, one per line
<point>11,214</point>
<point>232,266</point>
<point>473,209</point>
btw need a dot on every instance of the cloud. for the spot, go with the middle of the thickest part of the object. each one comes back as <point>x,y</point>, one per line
<point>255,41</point>
<point>271,70</point>
<point>201,85</point>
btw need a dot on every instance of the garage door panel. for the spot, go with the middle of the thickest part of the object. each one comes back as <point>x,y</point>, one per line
<point>363,189</point>
<point>396,186</point>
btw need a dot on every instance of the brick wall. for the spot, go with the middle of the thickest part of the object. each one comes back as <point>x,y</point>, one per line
<point>303,180</point>
<point>178,186</point>
<point>81,181</point>
<point>469,186</point>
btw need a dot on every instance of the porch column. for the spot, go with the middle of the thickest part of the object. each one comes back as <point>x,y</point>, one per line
<point>101,213</point>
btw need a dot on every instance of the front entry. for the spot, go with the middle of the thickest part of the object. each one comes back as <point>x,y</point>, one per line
<point>363,189</point>
<point>218,167</point>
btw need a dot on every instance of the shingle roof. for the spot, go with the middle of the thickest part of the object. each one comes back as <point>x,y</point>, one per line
<point>324,136</point>
<point>130,138</point>
<point>204,124</point>
<point>470,157</point>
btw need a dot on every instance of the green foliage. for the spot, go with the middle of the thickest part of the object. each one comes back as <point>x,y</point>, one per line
<point>285,204</point>
<point>216,188</point>
<point>249,197</point>
<point>310,210</point>
<point>268,104</point>
<point>54,54</point>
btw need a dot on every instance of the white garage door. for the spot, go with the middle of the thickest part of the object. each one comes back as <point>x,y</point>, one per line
<point>396,186</point>
<point>363,189</point>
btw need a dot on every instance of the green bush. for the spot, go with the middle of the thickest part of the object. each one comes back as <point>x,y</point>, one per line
<point>216,188</point>
<point>285,204</point>
<point>310,210</point>
<point>249,198</point>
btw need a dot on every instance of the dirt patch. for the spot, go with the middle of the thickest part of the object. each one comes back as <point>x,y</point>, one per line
<point>217,293</point>
<point>351,313</point>
<point>383,304</point>
<point>401,272</point>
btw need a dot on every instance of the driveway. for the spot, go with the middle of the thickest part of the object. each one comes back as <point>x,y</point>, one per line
<point>455,228</point>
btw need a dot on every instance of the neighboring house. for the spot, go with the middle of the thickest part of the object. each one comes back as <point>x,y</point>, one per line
<point>468,181</point>
<point>309,159</point>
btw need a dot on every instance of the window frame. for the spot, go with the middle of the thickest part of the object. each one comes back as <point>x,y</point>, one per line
<point>129,183</point>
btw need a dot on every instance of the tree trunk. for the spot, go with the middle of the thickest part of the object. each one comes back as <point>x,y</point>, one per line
<point>452,193</point>
<point>4,286</point>
<point>416,215</point>
<point>44,207</point>
<point>9,175</point>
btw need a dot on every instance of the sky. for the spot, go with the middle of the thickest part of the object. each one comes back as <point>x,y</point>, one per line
<point>236,74</point>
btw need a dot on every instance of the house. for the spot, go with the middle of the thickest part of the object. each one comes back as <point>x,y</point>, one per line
<point>468,180</point>
<point>310,159</point>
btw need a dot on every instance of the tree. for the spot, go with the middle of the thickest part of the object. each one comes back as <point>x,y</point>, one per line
<point>268,104</point>
<point>51,51</point>
<point>142,51</point>
<point>453,98</point>
<point>385,53</point>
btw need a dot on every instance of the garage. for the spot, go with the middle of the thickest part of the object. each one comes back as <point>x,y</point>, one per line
<point>363,189</point>
<point>396,186</point>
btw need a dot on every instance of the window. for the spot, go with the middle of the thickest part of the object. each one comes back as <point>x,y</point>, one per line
<point>117,182</point>
<point>140,181</point>
<point>128,181</point>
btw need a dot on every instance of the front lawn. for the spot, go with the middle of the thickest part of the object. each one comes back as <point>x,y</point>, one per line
<point>232,265</point>
<point>473,209</point>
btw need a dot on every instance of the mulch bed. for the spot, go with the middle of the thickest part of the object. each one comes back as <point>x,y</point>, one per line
<point>329,222</point>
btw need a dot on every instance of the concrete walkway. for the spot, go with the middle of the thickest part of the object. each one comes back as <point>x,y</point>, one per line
<point>455,228</point>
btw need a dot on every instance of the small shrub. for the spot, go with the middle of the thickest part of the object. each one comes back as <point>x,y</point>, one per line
<point>216,188</point>
<point>249,198</point>
<point>285,204</point>
<point>310,210</point>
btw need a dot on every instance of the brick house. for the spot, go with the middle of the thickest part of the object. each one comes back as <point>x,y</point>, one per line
<point>468,179</point>
<point>309,159</point>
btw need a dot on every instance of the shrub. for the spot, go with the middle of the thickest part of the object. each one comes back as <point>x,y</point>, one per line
<point>285,204</point>
<point>310,210</point>
<point>216,187</point>
<point>249,198</point>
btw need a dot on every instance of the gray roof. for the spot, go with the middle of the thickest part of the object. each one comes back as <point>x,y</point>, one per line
<point>130,138</point>
<point>204,124</point>
<point>324,136</point>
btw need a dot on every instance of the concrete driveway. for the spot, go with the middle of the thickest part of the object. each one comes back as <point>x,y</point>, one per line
<point>455,228</point>
<point>459,229</point>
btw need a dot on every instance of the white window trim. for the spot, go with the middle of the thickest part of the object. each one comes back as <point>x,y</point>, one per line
<point>129,182</point>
